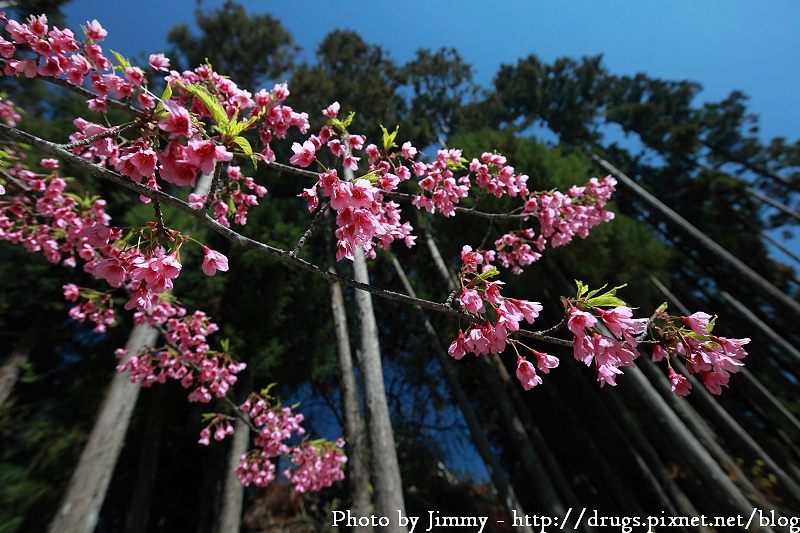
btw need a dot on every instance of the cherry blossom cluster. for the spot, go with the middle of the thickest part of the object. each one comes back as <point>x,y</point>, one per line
<point>95,307</point>
<point>608,352</point>
<point>187,357</point>
<point>174,144</point>
<point>477,296</point>
<point>606,334</point>
<point>318,464</point>
<point>364,217</point>
<point>44,218</point>
<point>712,357</point>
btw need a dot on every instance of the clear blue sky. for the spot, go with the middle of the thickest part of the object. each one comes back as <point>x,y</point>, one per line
<point>724,45</point>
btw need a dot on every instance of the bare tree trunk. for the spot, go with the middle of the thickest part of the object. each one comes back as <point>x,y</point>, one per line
<point>9,372</point>
<point>386,470</point>
<point>230,516</point>
<point>142,496</point>
<point>80,507</point>
<point>357,463</point>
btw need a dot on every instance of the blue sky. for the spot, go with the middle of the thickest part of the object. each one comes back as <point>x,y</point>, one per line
<point>750,46</point>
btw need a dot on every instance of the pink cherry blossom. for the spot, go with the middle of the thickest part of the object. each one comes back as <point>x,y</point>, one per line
<point>304,154</point>
<point>213,261</point>
<point>526,373</point>
<point>158,62</point>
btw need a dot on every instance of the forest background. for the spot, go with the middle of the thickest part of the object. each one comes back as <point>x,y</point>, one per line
<point>698,151</point>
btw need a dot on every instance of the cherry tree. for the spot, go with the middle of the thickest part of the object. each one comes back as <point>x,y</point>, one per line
<point>200,123</point>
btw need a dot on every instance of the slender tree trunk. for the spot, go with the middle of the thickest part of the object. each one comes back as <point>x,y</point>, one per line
<point>747,273</point>
<point>386,470</point>
<point>674,435</point>
<point>385,467</point>
<point>9,372</point>
<point>230,516</point>
<point>357,462</point>
<point>142,496</point>
<point>79,510</point>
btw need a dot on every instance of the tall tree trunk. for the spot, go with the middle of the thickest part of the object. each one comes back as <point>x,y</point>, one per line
<point>142,496</point>
<point>230,516</point>
<point>386,469</point>
<point>673,435</point>
<point>356,445</point>
<point>9,372</point>
<point>80,507</point>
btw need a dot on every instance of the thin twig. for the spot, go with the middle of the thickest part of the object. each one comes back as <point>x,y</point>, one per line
<point>310,231</point>
<point>213,189</point>
<point>92,138</point>
<point>159,217</point>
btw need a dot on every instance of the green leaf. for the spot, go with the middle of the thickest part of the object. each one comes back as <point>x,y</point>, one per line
<point>212,104</point>
<point>388,138</point>
<point>342,125</point>
<point>581,288</point>
<point>121,61</point>
<point>166,95</point>
<point>244,144</point>
<point>711,324</point>
<point>492,272</point>
<point>608,299</point>
<point>594,292</point>
<point>371,176</point>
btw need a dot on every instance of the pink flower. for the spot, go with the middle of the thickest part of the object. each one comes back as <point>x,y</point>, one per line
<point>526,373</point>
<point>95,31</point>
<point>177,121</point>
<point>332,110</point>
<point>471,301</point>
<point>205,154</point>
<point>213,261</point>
<point>679,384</point>
<point>470,259</point>
<point>71,292</point>
<point>303,155</point>
<point>545,361</point>
<point>698,322</point>
<point>579,321</point>
<point>458,347</point>
<point>158,62</point>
